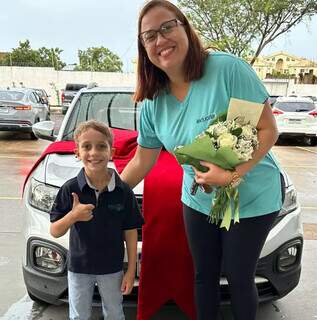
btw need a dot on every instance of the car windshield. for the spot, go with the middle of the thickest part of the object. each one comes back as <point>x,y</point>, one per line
<point>11,95</point>
<point>295,106</point>
<point>117,110</point>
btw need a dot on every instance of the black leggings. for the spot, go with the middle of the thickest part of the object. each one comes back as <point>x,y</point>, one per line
<point>238,249</point>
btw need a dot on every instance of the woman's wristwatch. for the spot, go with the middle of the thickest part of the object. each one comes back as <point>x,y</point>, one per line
<point>235,179</point>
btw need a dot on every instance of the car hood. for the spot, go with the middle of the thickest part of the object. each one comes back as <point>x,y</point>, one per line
<point>60,168</point>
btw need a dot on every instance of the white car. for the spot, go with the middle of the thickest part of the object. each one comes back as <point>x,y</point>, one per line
<point>44,263</point>
<point>296,117</point>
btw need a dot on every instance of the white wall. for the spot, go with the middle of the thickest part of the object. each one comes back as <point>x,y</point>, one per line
<point>287,87</point>
<point>49,79</point>
<point>276,87</point>
<point>303,89</point>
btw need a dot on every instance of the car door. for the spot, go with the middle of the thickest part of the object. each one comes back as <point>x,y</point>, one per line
<point>39,107</point>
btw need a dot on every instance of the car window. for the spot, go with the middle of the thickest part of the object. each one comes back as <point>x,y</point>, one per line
<point>117,110</point>
<point>11,95</point>
<point>34,98</point>
<point>312,97</point>
<point>40,92</point>
<point>295,106</point>
<point>122,112</point>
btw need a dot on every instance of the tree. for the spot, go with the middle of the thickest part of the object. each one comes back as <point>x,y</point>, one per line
<point>237,26</point>
<point>24,55</point>
<point>98,59</point>
<point>51,58</point>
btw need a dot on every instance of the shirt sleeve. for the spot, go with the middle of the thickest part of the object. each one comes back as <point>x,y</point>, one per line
<point>62,204</point>
<point>133,218</point>
<point>245,84</point>
<point>147,137</point>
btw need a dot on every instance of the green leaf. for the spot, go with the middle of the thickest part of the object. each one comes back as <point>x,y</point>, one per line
<point>236,132</point>
<point>220,118</point>
<point>227,157</point>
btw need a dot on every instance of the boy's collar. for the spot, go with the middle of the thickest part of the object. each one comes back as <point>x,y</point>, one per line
<point>114,182</point>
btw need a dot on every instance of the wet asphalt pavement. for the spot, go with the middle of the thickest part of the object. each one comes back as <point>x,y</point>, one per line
<point>18,153</point>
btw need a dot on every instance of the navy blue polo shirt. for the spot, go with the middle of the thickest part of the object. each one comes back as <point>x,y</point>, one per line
<point>97,246</point>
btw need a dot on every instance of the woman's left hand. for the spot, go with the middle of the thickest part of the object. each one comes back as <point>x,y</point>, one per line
<point>215,176</point>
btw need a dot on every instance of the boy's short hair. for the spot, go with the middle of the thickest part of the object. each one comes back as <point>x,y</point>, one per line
<point>96,125</point>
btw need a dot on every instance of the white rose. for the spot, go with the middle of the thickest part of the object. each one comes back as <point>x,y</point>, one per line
<point>247,131</point>
<point>217,129</point>
<point>227,140</point>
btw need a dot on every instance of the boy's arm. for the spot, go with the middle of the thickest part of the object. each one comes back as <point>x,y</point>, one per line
<point>131,239</point>
<point>61,226</point>
<point>79,212</point>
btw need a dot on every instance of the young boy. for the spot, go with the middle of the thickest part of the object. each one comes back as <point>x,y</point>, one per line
<point>101,212</point>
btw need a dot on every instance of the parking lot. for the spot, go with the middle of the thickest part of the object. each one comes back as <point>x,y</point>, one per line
<point>18,153</point>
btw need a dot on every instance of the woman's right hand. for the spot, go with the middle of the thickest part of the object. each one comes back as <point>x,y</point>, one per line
<point>215,176</point>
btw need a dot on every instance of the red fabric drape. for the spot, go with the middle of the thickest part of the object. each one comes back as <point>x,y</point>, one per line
<point>166,264</point>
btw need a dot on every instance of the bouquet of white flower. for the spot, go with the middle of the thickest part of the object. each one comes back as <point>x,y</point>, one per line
<point>225,143</point>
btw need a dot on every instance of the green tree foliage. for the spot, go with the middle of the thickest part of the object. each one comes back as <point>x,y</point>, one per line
<point>99,59</point>
<point>24,56</point>
<point>238,26</point>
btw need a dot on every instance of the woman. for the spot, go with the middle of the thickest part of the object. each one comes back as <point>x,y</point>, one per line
<point>183,87</point>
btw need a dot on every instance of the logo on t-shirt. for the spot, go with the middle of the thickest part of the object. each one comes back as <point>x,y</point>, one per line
<point>206,118</point>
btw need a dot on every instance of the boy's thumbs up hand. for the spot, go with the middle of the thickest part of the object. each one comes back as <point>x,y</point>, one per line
<point>75,199</point>
<point>81,212</point>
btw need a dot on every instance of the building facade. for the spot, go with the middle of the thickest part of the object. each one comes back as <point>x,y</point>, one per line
<point>287,66</point>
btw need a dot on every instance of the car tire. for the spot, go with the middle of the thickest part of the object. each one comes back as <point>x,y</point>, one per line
<point>36,299</point>
<point>310,141</point>
<point>313,141</point>
<point>33,136</point>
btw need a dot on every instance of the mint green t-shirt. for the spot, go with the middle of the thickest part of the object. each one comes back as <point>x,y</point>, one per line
<point>167,122</point>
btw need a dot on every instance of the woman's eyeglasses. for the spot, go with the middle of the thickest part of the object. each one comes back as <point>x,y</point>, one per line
<point>149,37</point>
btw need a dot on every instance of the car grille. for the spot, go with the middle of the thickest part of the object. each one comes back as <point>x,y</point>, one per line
<point>139,199</point>
<point>266,292</point>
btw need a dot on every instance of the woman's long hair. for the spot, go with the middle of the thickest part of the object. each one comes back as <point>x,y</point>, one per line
<point>151,80</point>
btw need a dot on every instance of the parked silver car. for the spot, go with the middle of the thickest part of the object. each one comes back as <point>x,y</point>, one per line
<point>20,109</point>
<point>44,263</point>
<point>296,117</point>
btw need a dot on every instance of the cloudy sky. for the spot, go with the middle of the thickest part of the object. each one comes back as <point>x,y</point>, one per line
<point>79,24</point>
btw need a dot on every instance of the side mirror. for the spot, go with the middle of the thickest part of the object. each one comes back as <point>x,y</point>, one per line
<point>44,130</point>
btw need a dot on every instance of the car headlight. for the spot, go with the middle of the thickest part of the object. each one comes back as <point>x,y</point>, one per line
<point>290,202</point>
<point>42,196</point>
<point>48,259</point>
<point>46,256</point>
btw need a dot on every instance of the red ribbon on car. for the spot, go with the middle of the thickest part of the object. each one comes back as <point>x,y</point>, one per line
<point>166,264</point>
